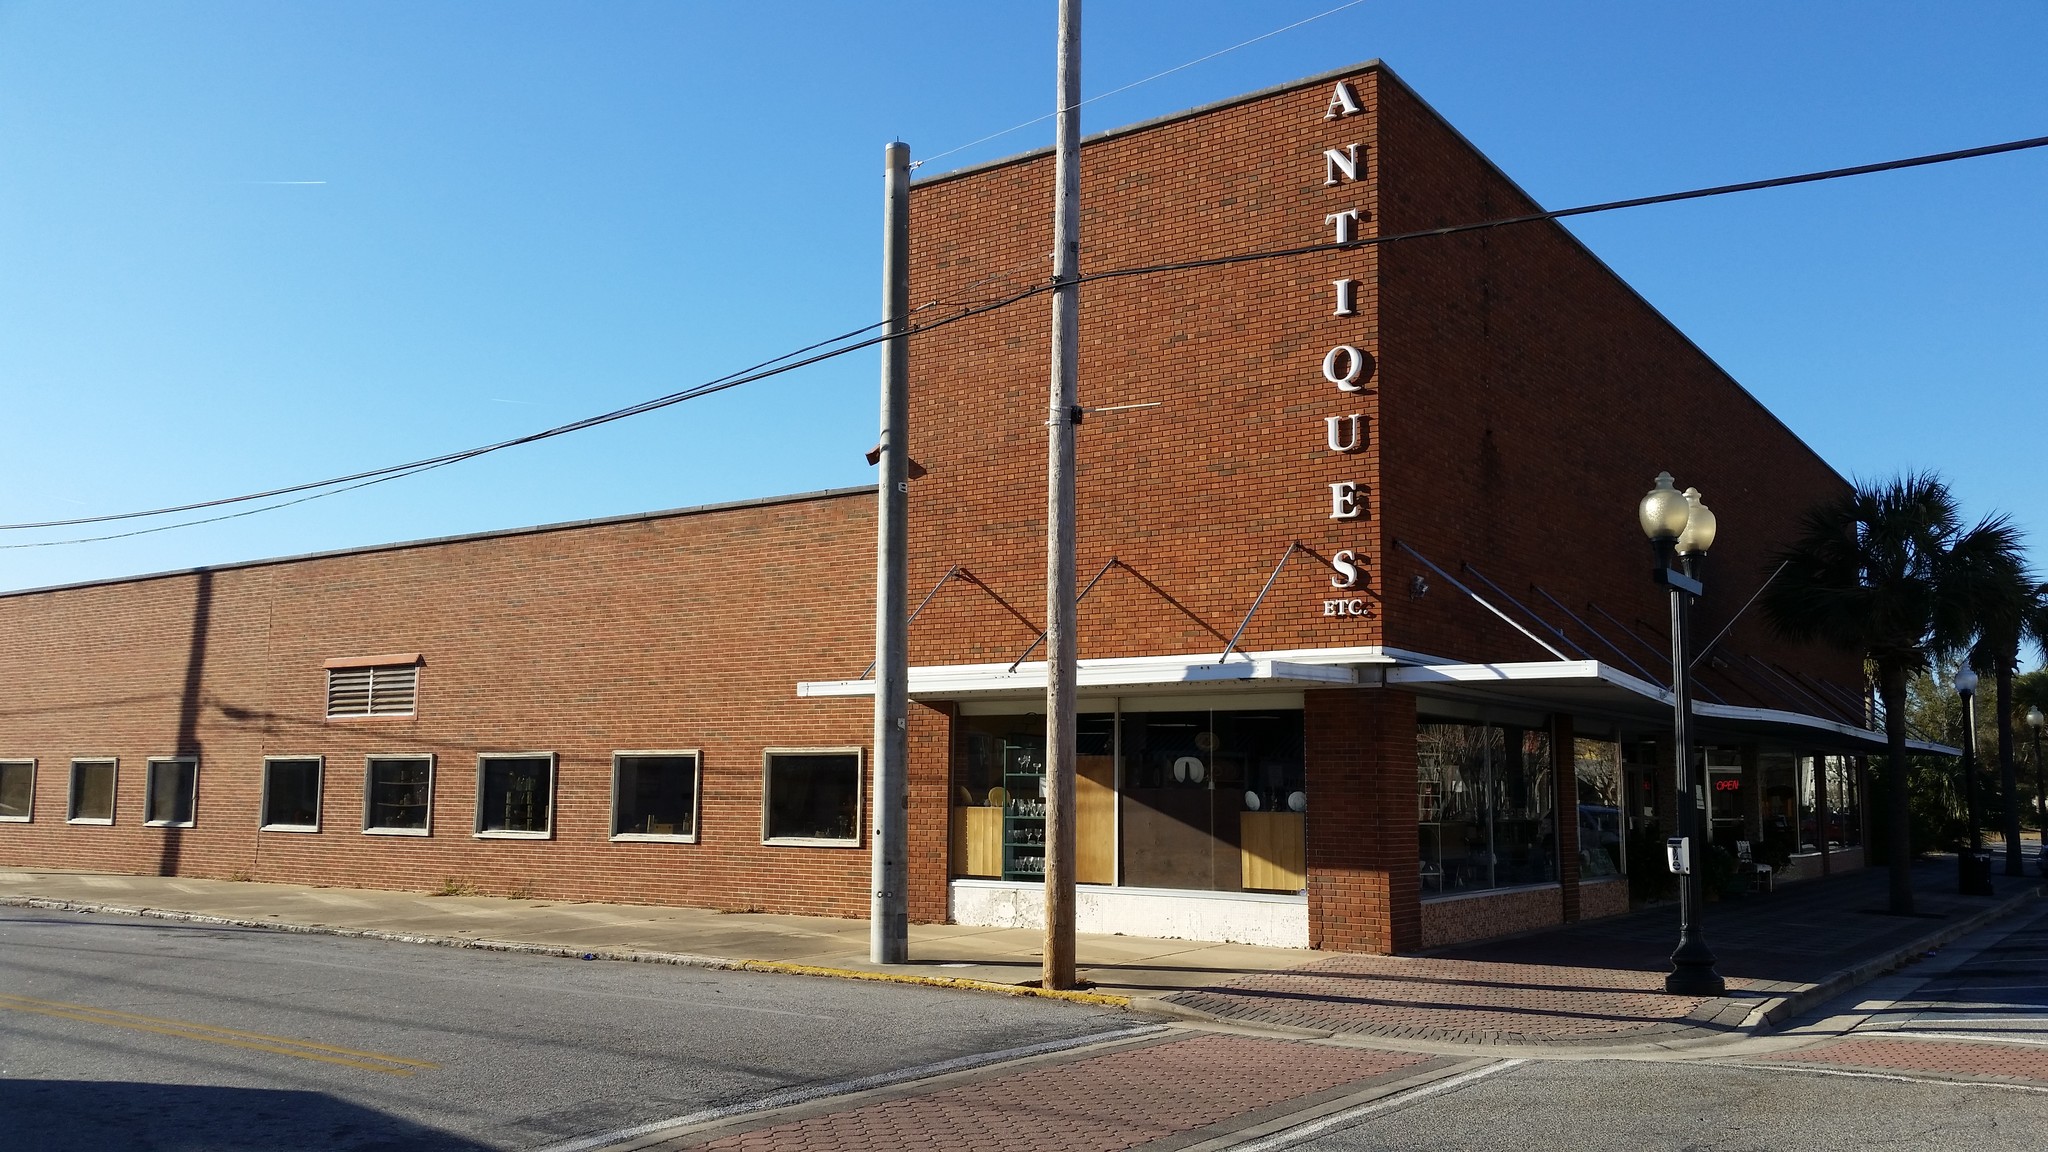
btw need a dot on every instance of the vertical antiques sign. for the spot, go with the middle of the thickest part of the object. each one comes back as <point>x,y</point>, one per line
<point>1346,366</point>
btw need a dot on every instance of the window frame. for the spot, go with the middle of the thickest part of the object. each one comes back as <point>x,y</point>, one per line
<point>29,816</point>
<point>433,768</point>
<point>696,799</point>
<point>71,815</point>
<point>858,840</point>
<point>554,777</point>
<point>150,766</point>
<point>319,794</point>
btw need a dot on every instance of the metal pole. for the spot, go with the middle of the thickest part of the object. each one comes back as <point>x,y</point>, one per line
<point>1970,767</point>
<point>889,903</point>
<point>2041,798</point>
<point>1058,955</point>
<point>1692,962</point>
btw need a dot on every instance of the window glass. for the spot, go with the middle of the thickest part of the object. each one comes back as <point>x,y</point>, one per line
<point>1597,765</point>
<point>291,792</point>
<point>812,796</point>
<point>17,789</point>
<point>170,795</point>
<point>92,790</point>
<point>1483,807</point>
<point>1213,800</point>
<point>515,794</point>
<point>654,794</point>
<point>399,794</point>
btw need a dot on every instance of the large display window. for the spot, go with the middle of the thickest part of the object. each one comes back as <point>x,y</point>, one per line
<point>1208,799</point>
<point>1485,812</point>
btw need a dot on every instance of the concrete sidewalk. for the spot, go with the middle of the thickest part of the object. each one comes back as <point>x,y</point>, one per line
<point>1597,983</point>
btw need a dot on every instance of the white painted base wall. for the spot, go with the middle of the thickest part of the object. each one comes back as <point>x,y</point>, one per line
<point>1160,913</point>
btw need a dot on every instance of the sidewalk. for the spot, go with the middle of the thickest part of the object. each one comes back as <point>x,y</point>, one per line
<point>1602,982</point>
<point>1591,983</point>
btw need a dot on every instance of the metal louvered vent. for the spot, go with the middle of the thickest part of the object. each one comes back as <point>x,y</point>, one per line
<point>377,691</point>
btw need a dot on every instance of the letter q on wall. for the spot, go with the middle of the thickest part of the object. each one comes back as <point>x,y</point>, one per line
<point>1347,368</point>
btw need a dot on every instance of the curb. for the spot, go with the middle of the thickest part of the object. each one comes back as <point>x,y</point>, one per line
<point>1781,1008</point>
<point>562,951</point>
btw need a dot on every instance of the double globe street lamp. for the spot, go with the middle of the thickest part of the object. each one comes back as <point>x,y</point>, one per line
<point>1679,525</point>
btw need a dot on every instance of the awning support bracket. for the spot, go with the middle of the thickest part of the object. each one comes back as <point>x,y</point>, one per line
<point>950,573</point>
<point>1480,600</point>
<point>1099,573</point>
<point>1292,547</point>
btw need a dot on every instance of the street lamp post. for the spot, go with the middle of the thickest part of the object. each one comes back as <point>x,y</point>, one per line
<point>2035,720</point>
<point>1678,524</point>
<point>1967,864</point>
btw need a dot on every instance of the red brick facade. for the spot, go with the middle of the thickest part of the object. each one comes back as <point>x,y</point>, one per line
<point>668,632</point>
<point>1496,398</point>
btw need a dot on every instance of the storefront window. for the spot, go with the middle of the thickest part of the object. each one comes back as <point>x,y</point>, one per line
<point>1597,764</point>
<point>1213,800</point>
<point>1210,800</point>
<point>1484,807</point>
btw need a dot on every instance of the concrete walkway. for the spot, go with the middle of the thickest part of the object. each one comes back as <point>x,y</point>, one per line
<point>1597,983</point>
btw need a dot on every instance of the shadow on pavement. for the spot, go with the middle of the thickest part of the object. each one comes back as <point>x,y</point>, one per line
<point>1798,934</point>
<point>94,1115</point>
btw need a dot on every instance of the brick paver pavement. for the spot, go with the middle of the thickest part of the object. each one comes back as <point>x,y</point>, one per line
<point>1460,1000</point>
<point>2013,1062</point>
<point>1603,981</point>
<point>1115,1100</point>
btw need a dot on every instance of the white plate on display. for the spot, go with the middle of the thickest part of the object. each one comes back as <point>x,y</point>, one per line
<point>997,797</point>
<point>1297,802</point>
<point>1251,801</point>
<point>1189,770</point>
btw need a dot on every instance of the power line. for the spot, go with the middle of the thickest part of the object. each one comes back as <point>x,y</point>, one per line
<point>1136,83</point>
<point>798,358</point>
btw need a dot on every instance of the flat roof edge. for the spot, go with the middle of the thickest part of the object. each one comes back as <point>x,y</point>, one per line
<point>464,538</point>
<point>1374,64</point>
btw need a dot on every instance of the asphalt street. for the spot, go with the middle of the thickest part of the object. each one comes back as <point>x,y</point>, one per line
<point>152,1034</point>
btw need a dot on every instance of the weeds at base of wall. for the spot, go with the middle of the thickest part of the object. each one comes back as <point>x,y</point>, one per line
<point>456,886</point>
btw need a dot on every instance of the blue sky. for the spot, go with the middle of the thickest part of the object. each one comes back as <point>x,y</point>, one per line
<point>527,213</point>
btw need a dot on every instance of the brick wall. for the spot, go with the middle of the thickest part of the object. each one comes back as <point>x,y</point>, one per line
<point>1461,918</point>
<point>1530,399</point>
<point>1200,497</point>
<point>667,632</point>
<point>1362,843</point>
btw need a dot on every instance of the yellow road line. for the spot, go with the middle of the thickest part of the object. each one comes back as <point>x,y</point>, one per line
<point>235,1038</point>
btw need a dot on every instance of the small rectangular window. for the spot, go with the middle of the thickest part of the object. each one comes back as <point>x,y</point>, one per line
<point>356,689</point>
<point>17,790</point>
<point>92,791</point>
<point>811,796</point>
<point>291,793</point>
<point>398,795</point>
<point>654,796</point>
<point>173,791</point>
<point>515,795</point>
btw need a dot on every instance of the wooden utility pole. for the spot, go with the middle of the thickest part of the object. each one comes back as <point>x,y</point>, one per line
<point>1058,969</point>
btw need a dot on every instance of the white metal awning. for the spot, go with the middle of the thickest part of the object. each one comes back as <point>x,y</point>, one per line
<point>1590,688</point>
<point>1586,689</point>
<point>1153,675</point>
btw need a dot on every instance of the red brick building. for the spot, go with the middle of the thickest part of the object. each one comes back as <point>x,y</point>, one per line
<point>1394,482</point>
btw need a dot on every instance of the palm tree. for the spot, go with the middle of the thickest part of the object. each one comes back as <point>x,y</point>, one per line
<point>1883,572</point>
<point>2012,608</point>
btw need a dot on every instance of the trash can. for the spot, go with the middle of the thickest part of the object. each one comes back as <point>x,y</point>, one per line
<point>1973,873</point>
